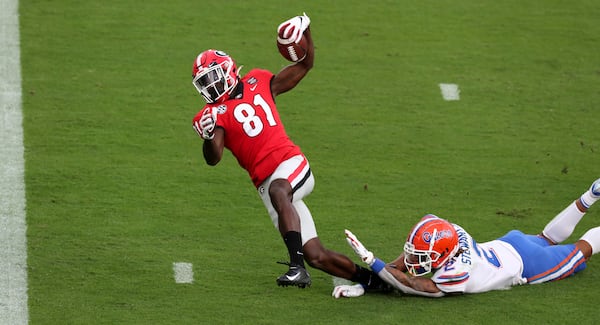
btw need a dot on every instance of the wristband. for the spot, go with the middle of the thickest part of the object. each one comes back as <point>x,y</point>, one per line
<point>377,265</point>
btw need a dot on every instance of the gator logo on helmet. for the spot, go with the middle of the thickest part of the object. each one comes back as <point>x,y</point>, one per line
<point>438,235</point>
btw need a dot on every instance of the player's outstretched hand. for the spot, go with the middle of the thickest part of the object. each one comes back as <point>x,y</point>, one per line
<point>208,122</point>
<point>348,291</point>
<point>360,250</point>
<point>293,28</point>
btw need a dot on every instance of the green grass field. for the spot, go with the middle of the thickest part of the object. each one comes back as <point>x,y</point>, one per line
<point>117,190</point>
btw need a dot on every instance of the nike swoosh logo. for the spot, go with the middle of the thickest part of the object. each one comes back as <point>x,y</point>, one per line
<point>292,278</point>
<point>253,87</point>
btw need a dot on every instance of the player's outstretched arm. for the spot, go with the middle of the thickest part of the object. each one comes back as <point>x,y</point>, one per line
<point>410,284</point>
<point>398,263</point>
<point>392,275</point>
<point>290,76</point>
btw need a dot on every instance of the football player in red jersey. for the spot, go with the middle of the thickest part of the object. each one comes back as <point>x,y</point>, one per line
<point>241,115</point>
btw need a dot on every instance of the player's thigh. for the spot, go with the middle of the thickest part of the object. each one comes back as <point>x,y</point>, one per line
<point>296,171</point>
<point>553,263</point>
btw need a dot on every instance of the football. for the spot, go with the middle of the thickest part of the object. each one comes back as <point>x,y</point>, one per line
<point>292,51</point>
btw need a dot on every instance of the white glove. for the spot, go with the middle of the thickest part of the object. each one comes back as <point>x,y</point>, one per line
<point>293,28</point>
<point>360,250</point>
<point>349,291</point>
<point>207,123</point>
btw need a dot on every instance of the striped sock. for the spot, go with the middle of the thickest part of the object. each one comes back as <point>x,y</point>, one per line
<point>587,199</point>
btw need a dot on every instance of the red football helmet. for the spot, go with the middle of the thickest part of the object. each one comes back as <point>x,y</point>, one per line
<point>430,244</point>
<point>214,75</point>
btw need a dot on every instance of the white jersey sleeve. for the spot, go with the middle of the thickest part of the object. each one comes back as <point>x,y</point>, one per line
<point>480,267</point>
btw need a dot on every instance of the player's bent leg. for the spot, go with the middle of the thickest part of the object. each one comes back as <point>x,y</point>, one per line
<point>280,193</point>
<point>585,248</point>
<point>327,260</point>
<point>563,224</point>
<point>543,262</point>
<point>292,180</point>
<point>548,240</point>
<point>341,266</point>
<point>592,239</point>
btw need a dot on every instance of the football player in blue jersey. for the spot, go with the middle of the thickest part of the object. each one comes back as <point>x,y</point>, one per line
<point>457,263</point>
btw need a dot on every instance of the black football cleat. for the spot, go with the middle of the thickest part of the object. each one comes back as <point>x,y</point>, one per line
<point>295,276</point>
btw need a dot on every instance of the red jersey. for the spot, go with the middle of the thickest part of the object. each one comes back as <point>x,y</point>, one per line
<point>253,130</point>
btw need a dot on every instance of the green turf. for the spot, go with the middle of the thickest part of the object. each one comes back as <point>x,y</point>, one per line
<point>117,189</point>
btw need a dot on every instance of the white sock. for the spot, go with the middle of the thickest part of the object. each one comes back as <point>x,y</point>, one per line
<point>587,199</point>
<point>562,226</point>
<point>592,236</point>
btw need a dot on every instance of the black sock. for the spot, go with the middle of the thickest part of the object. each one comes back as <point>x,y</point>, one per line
<point>293,242</point>
<point>366,277</point>
<point>362,275</point>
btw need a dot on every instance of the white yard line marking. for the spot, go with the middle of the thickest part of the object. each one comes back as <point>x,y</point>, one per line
<point>13,244</point>
<point>450,91</point>
<point>183,272</point>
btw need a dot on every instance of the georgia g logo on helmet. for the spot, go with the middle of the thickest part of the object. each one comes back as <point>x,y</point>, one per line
<point>221,53</point>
